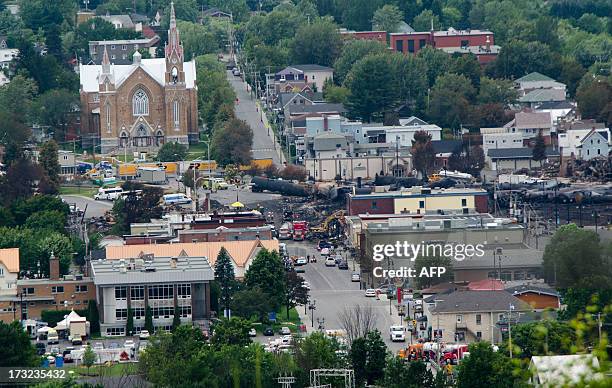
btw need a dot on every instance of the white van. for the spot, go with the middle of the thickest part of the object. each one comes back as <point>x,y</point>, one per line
<point>176,199</point>
<point>108,193</point>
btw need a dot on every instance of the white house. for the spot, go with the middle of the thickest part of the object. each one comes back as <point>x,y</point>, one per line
<point>535,81</point>
<point>9,269</point>
<point>585,143</point>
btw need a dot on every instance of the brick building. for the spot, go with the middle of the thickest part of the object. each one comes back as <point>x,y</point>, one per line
<point>141,105</point>
<point>478,42</point>
<point>32,296</point>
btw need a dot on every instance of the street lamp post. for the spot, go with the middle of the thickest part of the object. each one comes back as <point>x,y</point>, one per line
<point>312,307</point>
<point>510,308</point>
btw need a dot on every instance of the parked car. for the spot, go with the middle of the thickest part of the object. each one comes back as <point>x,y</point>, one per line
<point>324,244</point>
<point>343,265</point>
<point>300,270</point>
<point>355,277</point>
<point>330,262</point>
<point>325,251</point>
<point>397,333</point>
<point>252,333</point>
<point>285,330</point>
<point>338,259</point>
<point>370,293</point>
<point>67,354</point>
<point>144,334</point>
<point>268,332</point>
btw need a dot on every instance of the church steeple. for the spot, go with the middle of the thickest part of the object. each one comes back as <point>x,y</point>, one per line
<point>174,52</point>
<point>173,47</point>
<point>105,62</point>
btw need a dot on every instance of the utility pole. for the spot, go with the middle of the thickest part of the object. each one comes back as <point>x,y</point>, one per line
<point>510,308</point>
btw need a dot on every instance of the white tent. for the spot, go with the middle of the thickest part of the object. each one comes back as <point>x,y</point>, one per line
<point>65,323</point>
<point>43,330</point>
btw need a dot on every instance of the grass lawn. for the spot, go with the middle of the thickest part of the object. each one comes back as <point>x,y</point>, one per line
<point>292,323</point>
<point>86,191</point>
<point>115,369</point>
<point>197,151</point>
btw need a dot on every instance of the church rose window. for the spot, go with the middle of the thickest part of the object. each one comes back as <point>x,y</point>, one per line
<point>140,103</point>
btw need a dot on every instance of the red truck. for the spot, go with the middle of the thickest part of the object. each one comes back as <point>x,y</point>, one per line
<point>299,230</point>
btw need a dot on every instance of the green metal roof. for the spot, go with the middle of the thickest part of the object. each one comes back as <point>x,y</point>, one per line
<point>534,77</point>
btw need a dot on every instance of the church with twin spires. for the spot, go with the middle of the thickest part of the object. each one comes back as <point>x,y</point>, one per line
<point>140,106</point>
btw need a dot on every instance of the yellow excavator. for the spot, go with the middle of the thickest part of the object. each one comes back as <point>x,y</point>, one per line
<point>333,226</point>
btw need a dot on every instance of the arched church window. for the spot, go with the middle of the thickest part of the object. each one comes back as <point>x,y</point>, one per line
<point>140,103</point>
<point>176,114</point>
<point>174,75</point>
<point>124,139</point>
<point>159,138</point>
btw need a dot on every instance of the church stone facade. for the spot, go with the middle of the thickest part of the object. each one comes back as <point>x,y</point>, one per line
<point>140,106</point>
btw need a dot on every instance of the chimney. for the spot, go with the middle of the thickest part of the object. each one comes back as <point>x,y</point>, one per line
<point>488,42</point>
<point>54,268</point>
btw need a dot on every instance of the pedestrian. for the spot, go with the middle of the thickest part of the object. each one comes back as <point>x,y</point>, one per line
<point>308,258</point>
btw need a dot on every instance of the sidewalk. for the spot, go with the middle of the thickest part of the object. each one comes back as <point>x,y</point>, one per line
<point>272,134</point>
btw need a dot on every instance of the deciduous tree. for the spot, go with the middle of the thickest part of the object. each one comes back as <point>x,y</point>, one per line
<point>318,43</point>
<point>296,292</point>
<point>368,355</point>
<point>49,162</point>
<point>423,154</point>
<point>486,368</point>
<point>268,273</point>
<point>387,18</point>
<point>539,150</point>
<point>433,261</point>
<point>232,331</point>
<point>352,52</point>
<point>17,348</point>
<point>172,152</point>
<point>232,142</point>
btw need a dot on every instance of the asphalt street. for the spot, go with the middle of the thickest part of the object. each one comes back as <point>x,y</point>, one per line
<point>94,208</point>
<point>333,291</point>
<point>263,144</point>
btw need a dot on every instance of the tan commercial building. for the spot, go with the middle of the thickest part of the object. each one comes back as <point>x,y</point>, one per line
<point>469,316</point>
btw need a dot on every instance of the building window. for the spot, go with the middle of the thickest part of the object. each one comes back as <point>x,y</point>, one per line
<point>113,56</point>
<point>124,47</point>
<point>463,202</point>
<point>186,311</point>
<point>163,291</point>
<point>374,205</point>
<point>465,43</point>
<point>479,335</point>
<point>159,138</point>
<point>96,97</point>
<point>115,331</point>
<point>121,293</point>
<point>112,46</point>
<point>176,113</point>
<point>124,57</point>
<point>400,46</point>
<point>411,46</point>
<point>29,291</point>
<point>137,292</point>
<point>459,318</point>
<point>140,103</point>
<point>121,314</point>
<point>80,288</point>
<point>163,312</point>
<point>108,117</point>
<point>1,272</point>
<point>421,204</point>
<point>422,43</point>
<point>57,289</point>
<point>478,319</point>
<point>139,312</point>
<point>183,290</point>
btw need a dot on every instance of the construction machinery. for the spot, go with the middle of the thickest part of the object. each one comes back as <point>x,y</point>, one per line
<point>333,226</point>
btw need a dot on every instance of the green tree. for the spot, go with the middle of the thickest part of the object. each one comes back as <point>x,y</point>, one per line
<point>129,326</point>
<point>368,356</point>
<point>357,14</point>
<point>56,108</point>
<point>51,220</point>
<point>518,58</point>
<point>172,152</point>
<point>231,143</point>
<point>594,99</point>
<point>423,154</point>
<point>252,303</point>
<point>496,91</point>
<point>433,261</point>
<point>176,320</point>
<point>437,63</point>
<point>268,273</point>
<point>314,352</point>
<point>371,86</point>
<point>485,368</point>
<point>316,43</point>
<point>423,21</point>
<point>232,331</point>
<point>574,258</point>
<point>93,317</point>
<point>571,74</point>
<point>450,100</point>
<point>468,66</point>
<point>542,338</point>
<point>196,39</point>
<point>89,358</point>
<point>387,18</point>
<point>149,320</point>
<point>136,208</point>
<point>352,52</point>
<point>335,94</point>
<point>296,292</point>
<point>225,277</point>
<point>49,161</point>
<point>591,23</point>
<point>400,374</point>
<point>539,150</point>
<point>18,350</point>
